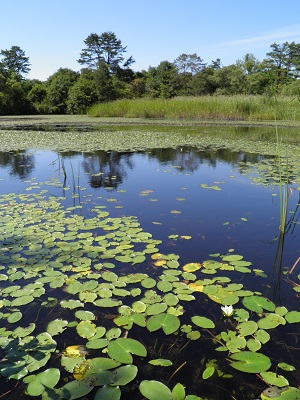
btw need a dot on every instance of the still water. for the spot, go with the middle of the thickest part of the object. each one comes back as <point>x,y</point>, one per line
<point>184,192</point>
<point>197,202</point>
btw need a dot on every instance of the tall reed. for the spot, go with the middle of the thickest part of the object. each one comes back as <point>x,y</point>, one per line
<point>236,107</point>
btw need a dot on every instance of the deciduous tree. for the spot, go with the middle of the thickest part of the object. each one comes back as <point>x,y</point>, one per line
<point>189,63</point>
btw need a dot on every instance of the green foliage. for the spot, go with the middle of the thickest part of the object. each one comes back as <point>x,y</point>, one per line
<point>238,107</point>
<point>107,49</point>
<point>58,86</point>
<point>83,94</point>
<point>161,81</point>
<point>14,60</point>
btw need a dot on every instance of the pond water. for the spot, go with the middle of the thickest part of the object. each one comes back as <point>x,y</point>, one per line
<point>195,203</point>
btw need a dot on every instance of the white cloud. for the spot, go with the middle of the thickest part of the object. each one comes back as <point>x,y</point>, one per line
<point>283,34</point>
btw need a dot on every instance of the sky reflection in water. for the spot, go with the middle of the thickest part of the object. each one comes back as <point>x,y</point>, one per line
<point>155,186</point>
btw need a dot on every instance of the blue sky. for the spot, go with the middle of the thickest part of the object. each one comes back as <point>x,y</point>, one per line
<point>51,32</point>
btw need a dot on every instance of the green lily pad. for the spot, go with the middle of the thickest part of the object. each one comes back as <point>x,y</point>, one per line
<point>168,322</point>
<point>274,379</point>
<point>85,315</point>
<point>208,372</point>
<point>171,300</point>
<point>232,257</point>
<point>148,283</point>
<point>235,344</point>
<point>203,322</point>
<point>248,361</point>
<point>86,329</point>
<point>113,333</point>
<point>258,304</point>
<point>127,321</point>
<point>139,307</point>
<point>123,375</point>
<point>75,390</point>
<point>122,348</point>
<point>270,321</point>
<point>290,393</point>
<point>14,317</point>
<point>164,286</point>
<point>108,392</point>
<point>42,381</point>
<point>292,317</point>
<point>157,308</point>
<point>96,371</point>
<point>107,302</point>
<point>161,362</point>
<point>71,304</point>
<point>253,344</point>
<point>155,390</point>
<point>21,301</point>
<point>262,336</point>
<point>56,326</point>
<point>247,328</point>
<point>286,367</point>
<point>178,392</point>
<point>21,332</point>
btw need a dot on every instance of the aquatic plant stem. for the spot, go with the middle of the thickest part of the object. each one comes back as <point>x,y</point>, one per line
<point>294,266</point>
<point>175,372</point>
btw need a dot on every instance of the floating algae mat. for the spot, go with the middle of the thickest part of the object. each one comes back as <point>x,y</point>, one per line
<point>157,274</point>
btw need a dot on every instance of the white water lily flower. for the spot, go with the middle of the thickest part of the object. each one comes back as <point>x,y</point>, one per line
<point>227,311</point>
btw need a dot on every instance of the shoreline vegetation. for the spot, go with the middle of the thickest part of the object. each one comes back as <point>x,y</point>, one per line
<point>222,108</point>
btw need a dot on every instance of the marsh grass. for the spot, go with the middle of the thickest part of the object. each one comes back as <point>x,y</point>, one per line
<point>237,107</point>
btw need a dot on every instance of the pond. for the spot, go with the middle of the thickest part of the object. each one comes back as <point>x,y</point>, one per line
<point>143,262</point>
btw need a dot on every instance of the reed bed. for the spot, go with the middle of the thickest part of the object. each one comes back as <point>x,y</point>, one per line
<point>236,107</point>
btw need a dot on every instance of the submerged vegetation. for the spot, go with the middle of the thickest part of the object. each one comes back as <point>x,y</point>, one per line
<point>91,307</point>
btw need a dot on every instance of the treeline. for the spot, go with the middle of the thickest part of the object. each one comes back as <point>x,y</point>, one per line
<point>107,75</point>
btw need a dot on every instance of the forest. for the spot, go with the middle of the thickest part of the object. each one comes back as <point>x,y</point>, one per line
<point>106,74</point>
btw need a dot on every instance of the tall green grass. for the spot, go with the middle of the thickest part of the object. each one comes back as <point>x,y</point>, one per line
<point>205,107</point>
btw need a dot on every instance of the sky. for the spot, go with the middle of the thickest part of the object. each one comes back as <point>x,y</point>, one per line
<point>52,32</point>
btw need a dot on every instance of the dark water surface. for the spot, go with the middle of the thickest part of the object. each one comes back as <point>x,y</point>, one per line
<point>214,197</point>
<point>156,184</point>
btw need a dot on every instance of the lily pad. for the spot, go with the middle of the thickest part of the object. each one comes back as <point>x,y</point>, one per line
<point>248,361</point>
<point>274,379</point>
<point>247,328</point>
<point>75,390</point>
<point>122,348</point>
<point>203,322</point>
<point>86,329</point>
<point>161,362</point>
<point>155,390</point>
<point>42,381</point>
<point>292,317</point>
<point>168,322</point>
<point>108,392</point>
<point>270,321</point>
<point>56,326</point>
<point>258,304</point>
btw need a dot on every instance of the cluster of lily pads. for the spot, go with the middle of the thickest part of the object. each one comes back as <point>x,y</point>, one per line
<point>98,281</point>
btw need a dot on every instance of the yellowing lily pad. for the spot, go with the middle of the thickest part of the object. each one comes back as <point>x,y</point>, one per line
<point>191,267</point>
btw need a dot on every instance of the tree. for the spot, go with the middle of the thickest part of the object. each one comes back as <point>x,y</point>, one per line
<point>189,63</point>
<point>58,86</point>
<point>229,80</point>
<point>14,60</point>
<point>104,83</point>
<point>249,64</point>
<point>83,93</point>
<point>105,48</point>
<point>161,81</point>
<point>283,63</point>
